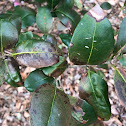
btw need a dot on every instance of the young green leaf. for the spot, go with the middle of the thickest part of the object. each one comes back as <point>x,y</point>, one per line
<point>36,53</point>
<point>44,19</point>
<point>50,106</point>
<point>8,35</point>
<point>57,69</point>
<point>68,17</point>
<point>82,111</point>
<point>106,6</point>
<point>121,39</point>
<point>36,79</point>
<point>95,91</point>
<point>66,39</point>
<point>120,84</point>
<point>93,39</point>
<point>12,73</point>
<point>27,15</point>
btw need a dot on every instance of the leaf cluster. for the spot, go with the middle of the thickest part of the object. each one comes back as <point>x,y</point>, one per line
<point>89,40</point>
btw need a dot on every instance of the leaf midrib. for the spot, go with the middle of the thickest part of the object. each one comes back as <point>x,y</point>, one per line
<point>92,45</point>
<point>52,106</point>
<point>14,54</point>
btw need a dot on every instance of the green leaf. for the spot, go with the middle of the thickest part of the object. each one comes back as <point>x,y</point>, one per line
<point>50,38</point>
<point>120,84</point>
<point>36,53</point>
<point>14,19</point>
<point>121,39</point>
<point>53,3</point>
<point>94,90</point>
<point>36,79</point>
<point>67,3</point>
<point>66,39</point>
<point>82,111</point>
<point>50,106</point>
<point>28,20</point>
<point>57,69</point>
<point>104,66</point>
<point>8,35</point>
<point>40,1</point>
<point>44,20</point>
<point>122,61</point>
<point>24,36</point>
<point>27,36</point>
<point>106,6</point>
<point>2,72</point>
<point>74,122</point>
<point>27,15</point>
<point>12,73</point>
<point>93,39</point>
<point>79,4</point>
<point>68,17</point>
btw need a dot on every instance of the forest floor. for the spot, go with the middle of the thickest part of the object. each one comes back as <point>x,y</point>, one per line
<point>15,102</point>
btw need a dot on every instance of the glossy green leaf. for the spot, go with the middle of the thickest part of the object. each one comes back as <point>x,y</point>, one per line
<point>27,15</point>
<point>50,106</point>
<point>82,111</point>
<point>121,39</point>
<point>68,17</point>
<point>53,3</point>
<point>120,84</point>
<point>36,79</point>
<point>66,39</point>
<point>12,73</point>
<point>14,19</point>
<point>93,39</point>
<point>57,69</point>
<point>44,20</point>
<point>50,38</point>
<point>122,61</point>
<point>106,6</point>
<point>36,53</point>
<point>79,4</point>
<point>94,90</point>
<point>8,35</point>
